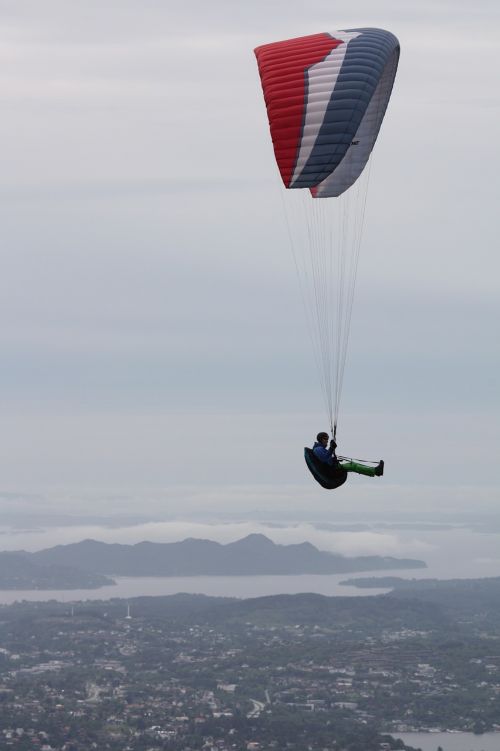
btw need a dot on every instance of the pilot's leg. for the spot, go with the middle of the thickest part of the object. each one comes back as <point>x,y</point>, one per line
<point>363,469</point>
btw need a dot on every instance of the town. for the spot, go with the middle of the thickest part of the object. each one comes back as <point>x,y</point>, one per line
<point>191,672</point>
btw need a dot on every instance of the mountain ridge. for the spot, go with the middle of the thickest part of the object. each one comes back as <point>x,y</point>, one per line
<point>254,554</point>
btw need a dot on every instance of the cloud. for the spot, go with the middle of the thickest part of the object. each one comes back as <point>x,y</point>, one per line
<point>345,543</point>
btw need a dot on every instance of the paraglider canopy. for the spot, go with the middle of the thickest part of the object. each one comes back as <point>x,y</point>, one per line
<point>326,96</point>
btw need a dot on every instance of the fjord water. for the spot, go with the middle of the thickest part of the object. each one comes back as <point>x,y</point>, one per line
<point>451,741</point>
<point>216,586</point>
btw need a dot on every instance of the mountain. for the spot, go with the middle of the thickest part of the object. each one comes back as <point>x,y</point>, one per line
<point>252,555</point>
<point>21,571</point>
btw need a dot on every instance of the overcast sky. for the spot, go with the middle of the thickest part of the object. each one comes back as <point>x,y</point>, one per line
<point>151,328</point>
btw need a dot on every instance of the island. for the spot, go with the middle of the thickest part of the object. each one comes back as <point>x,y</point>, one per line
<point>253,555</point>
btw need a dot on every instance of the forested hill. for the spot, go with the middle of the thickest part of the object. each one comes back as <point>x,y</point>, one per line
<point>252,555</point>
<point>455,607</point>
<point>475,600</point>
<point>20,571</point>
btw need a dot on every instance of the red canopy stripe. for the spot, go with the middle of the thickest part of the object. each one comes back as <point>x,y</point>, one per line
<point>282,68</point>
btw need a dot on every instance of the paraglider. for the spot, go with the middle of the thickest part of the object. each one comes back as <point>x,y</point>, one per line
<point>326,95</point>
<point>331,470</point>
